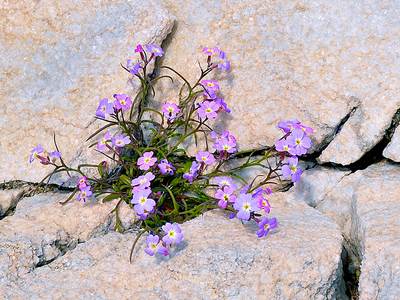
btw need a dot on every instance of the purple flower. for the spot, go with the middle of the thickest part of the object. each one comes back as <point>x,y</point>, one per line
<point>208,109</point>
<point>291,170</point>
<point>211,51</point>
<point>205,157</point>
<point>173,234</point>
<point>224,181</point>
<point>222,105</point>
<point>120,140</point>
<point>245,204</point>
<point>265,225</point>
<point>225,65</point>
<point>146,161</point>
<point>133,68</point>
<point>154,246</point>
<point>84,194</point>
<point>142,201</point>
<point>166,168</point>
<point>139,48</point>
<point>122,102</point>
<point>261,197</point>
<point>170,110</point>
<point>291,125</point>
<point>211,87</point>
<point>224,196</point>
<point>299,142</point>
<point>103,142</point>
<point>143,181</point>
<point>193,172</point>
<point>104,109</point>
<point>82,182</point>
<point>54,155</point>
<point>35,153</point>
<point>282,145</point>
<point>155,50</point>
<point>225,142</point>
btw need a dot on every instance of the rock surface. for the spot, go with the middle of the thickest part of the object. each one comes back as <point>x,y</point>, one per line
<point>42,229</point>
<point>298,60</point>
<point>208,266</point>
<point>58,59</point>
<point>9,199</point>
<point>366,204</point>
<point>392,150</point>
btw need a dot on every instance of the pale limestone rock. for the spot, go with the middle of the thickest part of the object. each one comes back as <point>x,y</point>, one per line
<point>313,60</point>
<point>58,59</point>
<point>220,259</point>
<point>9,199</point>
<point>366,205</point>
<point>42,229</point>
<point>392,150</point>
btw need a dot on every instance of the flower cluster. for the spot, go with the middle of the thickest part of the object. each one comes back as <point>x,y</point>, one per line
<point>151,169</point>
<point>296,142</point>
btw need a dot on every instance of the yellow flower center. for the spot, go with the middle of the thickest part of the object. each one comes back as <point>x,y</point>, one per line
<point>286,148</point>
<point>298,141</point>
<point>293,168</point>
<point>147,159</point>
<point>208,110</point>
<point>143,200</point>
<point>210,84</point>
<point>266,226</point>
<point>123,102</point>
<point>153,246</point>
<point>171,233</point>
<point>246,206</point>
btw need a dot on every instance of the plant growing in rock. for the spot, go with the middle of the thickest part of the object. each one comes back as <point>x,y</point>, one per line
<point>147,164</point>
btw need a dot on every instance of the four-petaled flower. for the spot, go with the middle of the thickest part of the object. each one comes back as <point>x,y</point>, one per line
<point>209,110</point>
<point>154,245</point>
<point>173,234</point>
<point>105,108</point>
<point>222,105</point>
<point>120,140</point>
<point>166,168</point>
<point>82,182</point>
<point>265,225</point>
<point>299,142</point>
<point>224,196</point>
<point>211,87</point>
<point>85,193</point>
<point>291,170</point>
<point>155,50</point>
<point>146,161</point>
<point>104,141</point>
<point>282,145</point>
<point>133,67</point>
<point>142,201</point>
<point>193,172</point>
<point>223,181</point>
<point>170,110</point>
<point>35,153</point>
<point>245,205</point>
<point>205,157</point>
<point>226,142</point>
<point>143,181</point>
<point>122,102</point>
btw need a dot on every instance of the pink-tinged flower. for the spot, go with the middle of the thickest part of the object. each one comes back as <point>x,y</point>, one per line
<point>173,234</point>
<point>120,140</point>
<point>166,168</point>
<point>146,161</point>
<point>143,204</point>
<point>224,196</point>
<point>139,48</point>
<point>265,225</point>
<point>224,181</point>
<point>84,194</point>
<point>133,67</point>
<point>282,145</point>
<point>154,245</point>
<point>299,142</point>
<point>36,153</point>
<point>54,155</point>
<point>226,142</point>
<point>170,110</point>
<point>245,205</point>
<point>222,105</point>
<point>143,181</point>
<point>291,125</point>
<point>208,109</point>
<point>205,157</point>
<point>291,169</point>
<point>262,201</point>
<point>155,50</point>
<point>104,109</point>
<point>82,182</point>
<point>193,172</point>
<point>211,51</point>
<point>122,102</point>
<point>104,141</point>
<point>211,87</point>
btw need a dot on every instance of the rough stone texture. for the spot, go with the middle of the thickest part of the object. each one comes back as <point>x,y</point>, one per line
<point>58,59</point>
<point>366,205</point>
<point>207,266</point>
<point>392,150</point>
<point>9,199</point>
<point>312,60</point>
<point>42,229</point>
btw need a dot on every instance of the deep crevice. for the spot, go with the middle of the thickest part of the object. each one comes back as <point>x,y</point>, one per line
<point>351,263</point>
